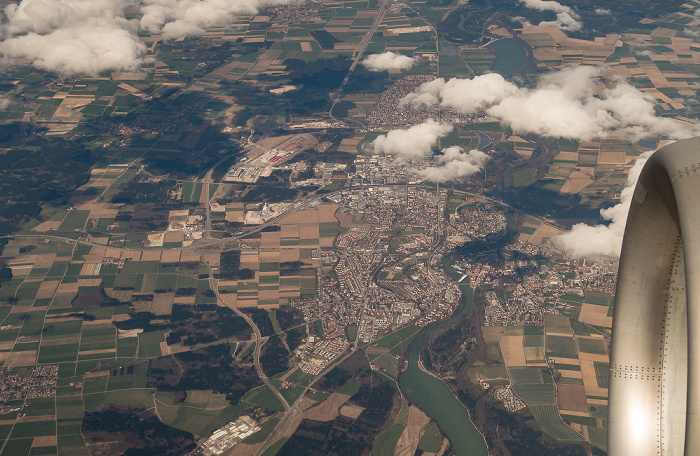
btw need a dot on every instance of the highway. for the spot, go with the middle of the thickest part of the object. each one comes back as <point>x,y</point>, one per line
<point>207,224</point>
<point>214,285</point>
<point>294,411</point>
<point>359,52</point>
<point>259,341</point>
<point>309,201</point>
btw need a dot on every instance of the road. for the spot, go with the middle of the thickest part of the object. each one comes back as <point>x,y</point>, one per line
<point>365,301</point>
<point>283,426</point>
<point>214,285</point>
<point>207,224</point>
<point>294,411</point>
<point>259,341</point>
<point>299,205</point>
<point>357,56</point>
<point>367,38</point>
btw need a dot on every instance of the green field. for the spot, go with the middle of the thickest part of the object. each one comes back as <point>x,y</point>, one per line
<point>99,331</point>
<point>533,341</point>
<point>397,337</point>
<point>127,347</point>
<point>402,416</point>
<point>27,291</point>
<point>32,326</point>
<point>269,267</point>
<point>561,346</point>
<point>529,229</point>
<point>594,346</point>
<point>291,394</point>
<point>600,299</point>
<point>274,449</point>
<point>320,396</point>
<point>550,421</point>
<point>17,447</point>
<point>34,429</point>
<point>557,324</point>
<point>149,344</point>
<point>328,229</point>
<point>58,353</point>
<point>602,374</point>
<point>562,366</point>
<point>72,444</point>
<point>140,267</point>
<point>570,381</point>
<point>525,375</point>
<point>387,363</point>
<point>121,397</point>
<point>493,351</point>
<point>350,388</point>
<point>75,220</point>
<point>264,397</point>
<point>95,384</point>
<point>40,406</point>
<point>265,430</point>
<point>534,394</point>
<point>431,440</point>
<point>385,443</point>
<point>598,437</point>
<point>524,177</point>
<point>300,377</point>
<point>166,282</point>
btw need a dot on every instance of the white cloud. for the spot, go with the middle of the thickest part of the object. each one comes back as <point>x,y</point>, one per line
<point>464,95</point>
<point>417,142</point>
<point>567,19</point>
<point>604,240</point>
<point>187,17</point>
<point>180,28</point>
<point>603,12</point>
<point>96,45</point>
<point>455,164</point>
<point>46,16</point>
<point>564,21</point>
<point>388,61</point>
<point>92,36</point>
<point>695,33</point>
<point>546,5</point>
<point>562,105</point>
<point>71,36</point>
<point>413,143</point>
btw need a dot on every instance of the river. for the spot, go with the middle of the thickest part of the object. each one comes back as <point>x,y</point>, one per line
<point>510,57</point>
<point>434,398</point>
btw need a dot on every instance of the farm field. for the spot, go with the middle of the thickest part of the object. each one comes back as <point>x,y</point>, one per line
<point>550,421</point>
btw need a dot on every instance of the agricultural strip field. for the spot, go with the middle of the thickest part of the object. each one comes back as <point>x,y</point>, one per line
<point>561,347</point>
<point>550,421</point>
<point>595,346</point>
<point>602,373</point>
<point>525,375</point>
<point>534,394</point>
